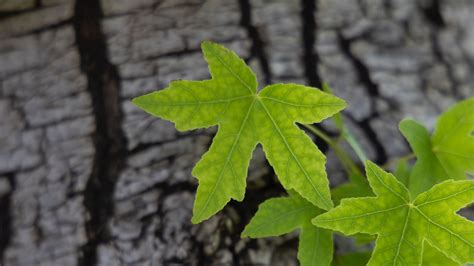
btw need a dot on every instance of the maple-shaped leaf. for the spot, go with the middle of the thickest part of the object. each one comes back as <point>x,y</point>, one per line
<point>448,153</point>
<point>246,117</point>
<point>279,216</point>
<point>403,225</point>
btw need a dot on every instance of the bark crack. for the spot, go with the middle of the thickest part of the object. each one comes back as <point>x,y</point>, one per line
<point>9,14</point>
<point>258,44</point>
<point>432,13</point>
<point>310,55</point>
<point>362,70</point>
<point>363,74</point>
<point>109,139</point>
<point>5,216</point>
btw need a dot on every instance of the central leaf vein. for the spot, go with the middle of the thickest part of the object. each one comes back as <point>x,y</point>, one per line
<point>228,157</point>
<point>277,128</point>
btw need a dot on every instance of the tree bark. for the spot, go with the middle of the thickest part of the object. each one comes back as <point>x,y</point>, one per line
<point>86,178</point>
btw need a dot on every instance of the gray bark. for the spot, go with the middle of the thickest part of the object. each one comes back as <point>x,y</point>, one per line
<point>86,178</point>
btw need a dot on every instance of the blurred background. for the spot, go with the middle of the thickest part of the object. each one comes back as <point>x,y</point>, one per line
<point>86,178</point>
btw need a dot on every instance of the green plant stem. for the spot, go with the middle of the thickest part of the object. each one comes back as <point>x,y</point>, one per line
<point>345,132</point>
<point>347,135</point>
<point>346,161</point>
<point>318,132</point>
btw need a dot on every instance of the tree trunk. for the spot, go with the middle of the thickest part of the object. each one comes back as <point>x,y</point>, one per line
<point>86,178</point>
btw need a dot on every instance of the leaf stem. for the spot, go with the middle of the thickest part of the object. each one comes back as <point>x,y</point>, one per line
<point>346,161</point>
<point>347,135</point>
<point>345,132</point>
<point>318,132</point>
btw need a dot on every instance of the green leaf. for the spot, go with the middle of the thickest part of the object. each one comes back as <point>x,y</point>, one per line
<point>402,171</point>
<point>246,118</point>
<point>404,225</point>
<point>448,153</point>
<point>279,216</point>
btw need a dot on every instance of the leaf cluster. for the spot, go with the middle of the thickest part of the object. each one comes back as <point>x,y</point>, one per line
<point>410,214</point>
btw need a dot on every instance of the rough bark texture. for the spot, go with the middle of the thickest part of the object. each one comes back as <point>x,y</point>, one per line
<point>86,178</point>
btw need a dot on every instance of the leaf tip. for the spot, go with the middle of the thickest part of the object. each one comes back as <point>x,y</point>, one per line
<point>328,205</point>
<point>409,124</point>
<point>343,103</point>
<point>244,233</point>
<point>324,203</point>
<point>137,101</point>
<point>326,88</point>
<point>206,45</point>
<point>198,214</point>
<point>197,219</point>
<point>404,123</point>
<point>145,101</point>
<point>340,104</point>
<point>369,165</point>
<point>194,220</point>
<point>316,221</point>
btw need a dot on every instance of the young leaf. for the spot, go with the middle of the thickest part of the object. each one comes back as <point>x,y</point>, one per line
<point>403,224</point>
<point>279,216</point>
<point>246,118</point>
<point>448,153</point>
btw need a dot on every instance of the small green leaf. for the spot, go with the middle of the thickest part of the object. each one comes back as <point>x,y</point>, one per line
<point>246,118</point>
<point>448,153</point>
<point>279,216</point>
<point>404,225</point>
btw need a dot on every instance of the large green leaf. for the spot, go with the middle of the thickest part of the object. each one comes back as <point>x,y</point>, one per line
<point>448,153</point>
<point>279,216</point>
<point>404,225</point>
<point>246,118</point>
